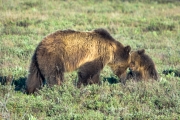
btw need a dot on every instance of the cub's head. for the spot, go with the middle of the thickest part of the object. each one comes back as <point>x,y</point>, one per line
<point>136,60</point>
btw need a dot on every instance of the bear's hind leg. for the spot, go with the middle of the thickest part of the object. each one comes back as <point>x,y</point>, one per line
<point>55,75</point>
<point>35,79</point>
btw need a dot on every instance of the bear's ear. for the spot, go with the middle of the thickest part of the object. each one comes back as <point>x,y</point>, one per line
<point>142,51</point>
<point>127,49</point>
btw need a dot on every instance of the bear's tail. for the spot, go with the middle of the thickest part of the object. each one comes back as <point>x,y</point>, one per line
<point>35,79</point>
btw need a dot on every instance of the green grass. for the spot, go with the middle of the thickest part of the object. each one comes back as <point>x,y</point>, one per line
<point>152,25</point>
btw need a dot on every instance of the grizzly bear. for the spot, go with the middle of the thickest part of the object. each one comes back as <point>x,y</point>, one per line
<point>69,50</point>
<point>141,66</point>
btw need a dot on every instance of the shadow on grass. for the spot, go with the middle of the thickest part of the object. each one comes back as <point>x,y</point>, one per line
<point>111,80</point>
<point>18,83</point>
<point>175,73</point>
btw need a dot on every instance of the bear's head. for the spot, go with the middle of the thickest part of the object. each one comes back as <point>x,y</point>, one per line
<point>122,62</point>
<point>125,57</point>
<point>136,60</point>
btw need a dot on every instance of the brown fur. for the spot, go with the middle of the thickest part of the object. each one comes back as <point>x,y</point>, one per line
<point>141,66</point>
<point>89,72</point>
<point>68,50</point>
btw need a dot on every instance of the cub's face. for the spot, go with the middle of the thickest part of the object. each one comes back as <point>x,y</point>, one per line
<point>136,60</point>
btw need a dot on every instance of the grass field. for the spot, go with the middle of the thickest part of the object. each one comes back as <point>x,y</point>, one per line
<point>150,24</point>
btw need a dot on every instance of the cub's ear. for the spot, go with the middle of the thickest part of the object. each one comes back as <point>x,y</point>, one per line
<point>127,49</point>
<point>142,51</point>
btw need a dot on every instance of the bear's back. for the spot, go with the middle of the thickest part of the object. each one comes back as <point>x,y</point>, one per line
<point>146,60</point>
<point>64,35</point>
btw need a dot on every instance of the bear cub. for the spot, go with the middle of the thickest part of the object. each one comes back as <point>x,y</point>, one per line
<point>141,67</point>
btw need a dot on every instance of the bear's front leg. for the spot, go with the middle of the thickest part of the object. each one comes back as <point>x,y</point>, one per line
<point>89,73</point>
<point>86,78</point>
